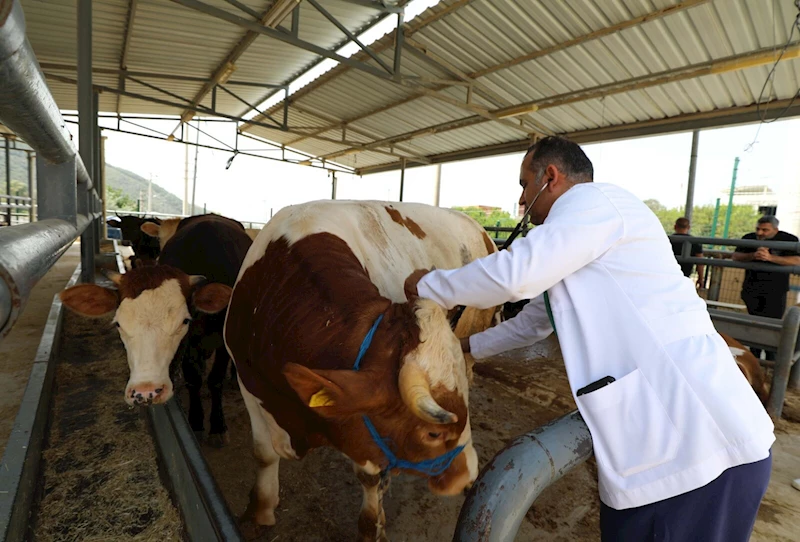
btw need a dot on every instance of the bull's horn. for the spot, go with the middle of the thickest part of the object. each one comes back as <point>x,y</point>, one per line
<point>416,393</point>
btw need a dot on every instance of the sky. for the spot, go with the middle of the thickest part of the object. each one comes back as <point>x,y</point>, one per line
<point>650,167</point>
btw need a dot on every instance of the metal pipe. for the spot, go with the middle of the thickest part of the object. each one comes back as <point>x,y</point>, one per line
<point>730,198</point>
<point>716,283</point>
<point>8,179</point>
<point>783,362</point>
<point>26,106</point>
<point>334,186</point>
<point>29,251</point>
<point>752,266</point>
<point>510,483</point>
<point>692,171</point>
<point>747,243</point>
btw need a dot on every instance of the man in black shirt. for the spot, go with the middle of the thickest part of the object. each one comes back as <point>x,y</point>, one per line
<point>764,292</point>
<point>682,228</point>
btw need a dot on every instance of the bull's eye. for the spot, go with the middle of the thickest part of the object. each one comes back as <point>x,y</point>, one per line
<point>186,321</point>
<point>434,435</point>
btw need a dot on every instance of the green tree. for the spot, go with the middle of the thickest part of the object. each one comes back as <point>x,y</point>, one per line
<point>494,218</point>
<point>117,199</point>
<point>743,219</point>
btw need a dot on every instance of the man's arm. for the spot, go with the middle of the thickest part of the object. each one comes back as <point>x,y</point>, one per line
<point>580,232</point>
<point>780,260</point>
<point>530,326</point>
<point>743,256</point>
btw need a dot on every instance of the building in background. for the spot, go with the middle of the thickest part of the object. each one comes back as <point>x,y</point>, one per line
<point>761,197</point>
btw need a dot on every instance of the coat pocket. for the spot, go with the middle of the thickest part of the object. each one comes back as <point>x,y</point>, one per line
<point>631,430</point>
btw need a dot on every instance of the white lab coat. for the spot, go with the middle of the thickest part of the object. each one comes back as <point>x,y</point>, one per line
<point>680,411</point>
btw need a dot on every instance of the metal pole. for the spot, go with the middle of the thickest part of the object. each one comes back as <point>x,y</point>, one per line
<point>194,175</point>
<point>783,362</point>
<point>333,185</point>
<point>186,176</point>
<point>31,158</point>
<point>104,193</point>
<point>8,181</point>
<point>715,219</point>
<point>692,170</point>
<point>85,129</point>
<point>96,177</point>
<point>730,198</point>
<point>438,186</point>
<point>402,177</point>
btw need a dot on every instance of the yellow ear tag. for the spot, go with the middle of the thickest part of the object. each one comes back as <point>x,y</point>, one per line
<point>321,399</point>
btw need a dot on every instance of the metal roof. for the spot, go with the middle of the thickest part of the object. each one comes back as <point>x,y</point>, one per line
<point>477,77</point>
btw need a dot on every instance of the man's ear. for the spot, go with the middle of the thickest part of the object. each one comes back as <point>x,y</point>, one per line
<point>90,299</point>
<point>212,298</point>
<point>334,393</point>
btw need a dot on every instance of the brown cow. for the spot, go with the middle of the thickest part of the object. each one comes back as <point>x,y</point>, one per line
<point>319,280</point>
<point>750,366</point>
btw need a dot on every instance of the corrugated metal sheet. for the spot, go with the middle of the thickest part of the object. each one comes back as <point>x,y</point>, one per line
<point>483,34</point>
<point>477,37</point>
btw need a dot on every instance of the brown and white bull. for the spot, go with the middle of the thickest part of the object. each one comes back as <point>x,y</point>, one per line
<point>750,367</point>
<point>319,280</point>
<point>173,313</point>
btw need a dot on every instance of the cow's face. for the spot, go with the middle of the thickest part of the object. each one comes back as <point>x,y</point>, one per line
<point>153,316</point>
<point>417,401</point>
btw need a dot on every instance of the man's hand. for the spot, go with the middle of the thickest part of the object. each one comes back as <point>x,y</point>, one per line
<point>763,254</point>
<point>410,286</point>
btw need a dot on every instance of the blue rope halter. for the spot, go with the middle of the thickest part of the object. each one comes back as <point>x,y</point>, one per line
<point>428,467</point>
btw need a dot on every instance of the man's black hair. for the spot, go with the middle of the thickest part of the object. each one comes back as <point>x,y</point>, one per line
<point>565,154</point>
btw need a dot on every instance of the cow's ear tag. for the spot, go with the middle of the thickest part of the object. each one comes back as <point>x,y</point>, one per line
<point>321,399</point>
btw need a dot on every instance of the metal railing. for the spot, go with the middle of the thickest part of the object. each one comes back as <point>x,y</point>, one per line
<point>67,202</point>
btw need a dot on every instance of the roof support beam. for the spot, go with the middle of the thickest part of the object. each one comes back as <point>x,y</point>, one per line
<point>422,51</point>
<point>285,37</point>
<point>682,123</point>
<point>409,29</point>
<point>152,75</point>
<point>126,46</point>
<point>715,67</point>
<point>271,19</point>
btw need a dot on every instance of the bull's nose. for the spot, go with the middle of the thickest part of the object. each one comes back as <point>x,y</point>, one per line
<point>144,395</point>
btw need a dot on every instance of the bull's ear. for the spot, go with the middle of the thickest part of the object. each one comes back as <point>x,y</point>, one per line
<point>150,228</point>
<point>212,298</point>
<point>90,299</point>
<point>114,222</point>
<point>334,393</point>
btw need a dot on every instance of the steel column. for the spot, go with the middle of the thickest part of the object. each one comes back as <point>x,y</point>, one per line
<point>783,362</point>
<point>398,45</point>
<point>31,159</point>
<point>402,178</point>
<point>86,138</point>
<point>692,171</point>
<point>438,186</point>
<point>730,199</point>
<point>510,483</point>
<point>97,181</point>
<point>334,185</point>
<point>8,180</point>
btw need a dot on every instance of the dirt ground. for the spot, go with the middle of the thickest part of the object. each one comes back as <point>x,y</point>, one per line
<point>18,349</point>
<point>512,394</point>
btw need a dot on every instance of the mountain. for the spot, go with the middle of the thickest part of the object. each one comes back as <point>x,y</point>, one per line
<point>127,182</point>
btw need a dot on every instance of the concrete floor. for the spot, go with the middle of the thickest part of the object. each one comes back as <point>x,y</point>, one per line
<point>18,349</point>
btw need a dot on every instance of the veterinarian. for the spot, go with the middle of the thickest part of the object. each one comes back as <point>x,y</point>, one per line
<point>683,446</point>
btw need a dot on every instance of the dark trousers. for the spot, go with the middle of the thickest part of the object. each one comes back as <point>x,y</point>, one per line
<point>721,511</point>
<point>771,305</point>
